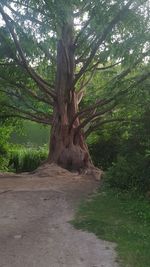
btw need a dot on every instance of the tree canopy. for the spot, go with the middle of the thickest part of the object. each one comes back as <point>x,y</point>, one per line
<point>54,51</point>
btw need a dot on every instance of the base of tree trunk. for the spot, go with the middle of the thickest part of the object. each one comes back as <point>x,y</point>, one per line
<point>69,150</point>
<point>48,167</point>
<point>72,158</point>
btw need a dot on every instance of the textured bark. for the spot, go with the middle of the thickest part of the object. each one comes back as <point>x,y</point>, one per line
<point>67,146</point>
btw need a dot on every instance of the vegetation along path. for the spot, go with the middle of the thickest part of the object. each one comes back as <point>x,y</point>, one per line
<point>35,229</point>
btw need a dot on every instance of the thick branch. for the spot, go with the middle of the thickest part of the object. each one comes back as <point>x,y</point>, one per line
<point>94,116</point>
<point>87,110</point>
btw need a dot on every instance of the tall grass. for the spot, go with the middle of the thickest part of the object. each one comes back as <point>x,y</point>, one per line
<point>24,159</point>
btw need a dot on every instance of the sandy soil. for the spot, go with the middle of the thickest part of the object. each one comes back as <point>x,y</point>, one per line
<point>35,210</point>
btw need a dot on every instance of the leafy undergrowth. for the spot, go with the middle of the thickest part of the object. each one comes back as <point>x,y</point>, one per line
<point>121,218</point>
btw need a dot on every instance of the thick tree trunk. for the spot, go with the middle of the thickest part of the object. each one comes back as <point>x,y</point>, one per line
<point>66,152</point>
<point>67,146</point>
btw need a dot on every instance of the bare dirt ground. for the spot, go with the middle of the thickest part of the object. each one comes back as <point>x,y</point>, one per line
<point>35,210</point>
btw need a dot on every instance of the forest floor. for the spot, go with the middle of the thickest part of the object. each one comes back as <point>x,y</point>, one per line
<point>35,214</point>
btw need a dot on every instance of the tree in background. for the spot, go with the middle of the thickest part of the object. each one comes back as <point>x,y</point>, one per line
<point>52,53</point>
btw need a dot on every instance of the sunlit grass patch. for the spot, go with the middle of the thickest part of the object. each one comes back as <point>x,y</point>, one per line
<point>121,218</point>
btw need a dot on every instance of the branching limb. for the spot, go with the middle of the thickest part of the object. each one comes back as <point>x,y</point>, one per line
<point>88,110</point>
<point>99,123</point>
<point>103,102</point>
<point>28,114</point>
<point>27,17</point>
<point>102,38</point>
<point>26,90</point>
<point>94,116</point>
<point>98,114</point>
<point>23,63</point>
<point>95,66</point>
<point>7,116</point>
<point>88,80</point>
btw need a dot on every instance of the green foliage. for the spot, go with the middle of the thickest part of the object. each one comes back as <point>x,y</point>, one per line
<point>38,25</point>
<point>103,149</point>
<point>24,159</point>
<point>130,173</point>
<point>19,158</point>
<point>5,131</point>
<point>131,170</point>
<point>33,134</point>
<point>121,218</point>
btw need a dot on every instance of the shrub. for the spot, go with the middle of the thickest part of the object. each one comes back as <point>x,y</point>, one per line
<point>103,153</point>
<point>103,148</point>
<point>132,173</point>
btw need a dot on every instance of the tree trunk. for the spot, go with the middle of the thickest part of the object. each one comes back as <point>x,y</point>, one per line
<point>67,146</point>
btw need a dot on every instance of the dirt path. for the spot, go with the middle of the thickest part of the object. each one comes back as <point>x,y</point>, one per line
<point>35,211</point>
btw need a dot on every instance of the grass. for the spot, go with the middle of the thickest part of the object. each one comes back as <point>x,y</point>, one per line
<point>121,218</point>
<point>24,159</point>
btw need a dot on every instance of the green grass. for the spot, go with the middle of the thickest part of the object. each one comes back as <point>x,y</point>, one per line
<point>121,218</point>
<point>24,159</point>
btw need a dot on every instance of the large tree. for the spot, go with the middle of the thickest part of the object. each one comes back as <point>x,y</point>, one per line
<point>49,52</point>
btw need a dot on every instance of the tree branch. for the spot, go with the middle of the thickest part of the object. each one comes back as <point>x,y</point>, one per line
<point>87,110</point>
<point>103,102</point>
<point>82,30</point>
<point>128,70</point>
<point>33,19</point>
<point>28,114</point>
<point>88,80</point>
<point>102,37</point>
<point>40,82</point>
<point>99,123</point>
<point>46,52</point>
<point>28,91</point>
<point>94,116</point>
<point>7,116</point>
<point>103,68</point>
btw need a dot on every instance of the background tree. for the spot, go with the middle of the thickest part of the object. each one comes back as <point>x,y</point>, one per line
<point>51,50</point>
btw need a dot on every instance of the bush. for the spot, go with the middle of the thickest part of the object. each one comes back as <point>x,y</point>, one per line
<point>132,173</point>
<point>103,153</point>
<point>103,148</point>
<point>26,159</point>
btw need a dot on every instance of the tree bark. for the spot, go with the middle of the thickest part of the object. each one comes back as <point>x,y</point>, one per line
<point>67,146</point>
